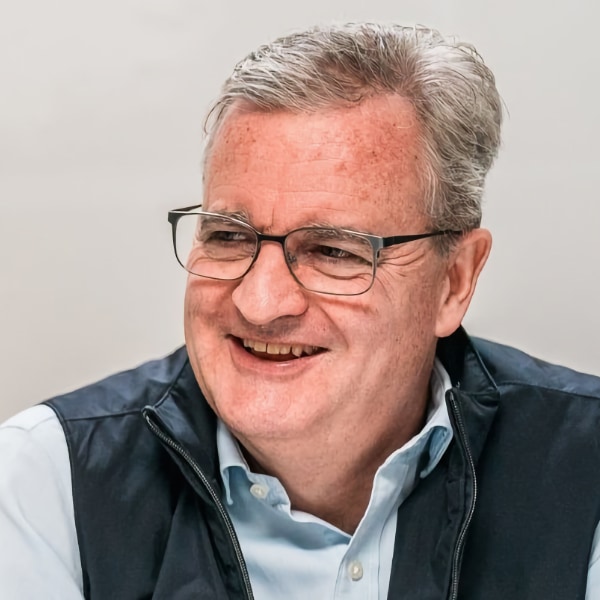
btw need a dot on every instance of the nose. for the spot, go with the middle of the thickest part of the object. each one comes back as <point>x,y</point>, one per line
<point>268,291</point>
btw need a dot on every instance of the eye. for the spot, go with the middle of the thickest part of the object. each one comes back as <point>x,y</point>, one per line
<point>336,253</point>
<point>225,236</point>
<point>340,254</point>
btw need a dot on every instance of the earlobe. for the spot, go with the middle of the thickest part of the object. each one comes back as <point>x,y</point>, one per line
<point>464,266</point>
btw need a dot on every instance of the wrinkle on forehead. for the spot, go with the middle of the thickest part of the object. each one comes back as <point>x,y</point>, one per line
<point>308,157</point>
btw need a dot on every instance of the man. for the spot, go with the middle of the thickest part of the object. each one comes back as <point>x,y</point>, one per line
<point>329,431</point>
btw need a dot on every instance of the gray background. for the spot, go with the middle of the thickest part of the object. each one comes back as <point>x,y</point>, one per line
<point>101,108</point>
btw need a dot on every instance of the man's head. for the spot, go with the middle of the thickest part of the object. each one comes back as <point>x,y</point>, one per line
<point>381,130</point>
<point>451,90</point>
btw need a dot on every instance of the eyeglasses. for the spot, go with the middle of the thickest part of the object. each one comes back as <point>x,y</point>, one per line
<point>321,259</point>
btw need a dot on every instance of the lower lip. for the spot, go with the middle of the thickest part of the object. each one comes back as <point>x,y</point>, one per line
<point>246,361</point>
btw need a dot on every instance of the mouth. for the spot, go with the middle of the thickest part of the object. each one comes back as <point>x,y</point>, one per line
<point>278,352</point>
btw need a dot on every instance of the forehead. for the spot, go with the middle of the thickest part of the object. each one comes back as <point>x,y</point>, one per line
<point>357,167</point>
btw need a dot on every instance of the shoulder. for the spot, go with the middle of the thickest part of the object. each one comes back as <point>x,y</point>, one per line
<point>36,508</point>
<point>122,393</point>
<point>510,367</point>
<point>33,455</point>
<point>35,429</point>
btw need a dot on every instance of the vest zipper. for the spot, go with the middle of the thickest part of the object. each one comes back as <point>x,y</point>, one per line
<point>460,543</point>
<point>213,494</point>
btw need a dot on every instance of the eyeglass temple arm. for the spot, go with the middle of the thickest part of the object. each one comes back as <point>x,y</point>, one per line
<point>403,239</point>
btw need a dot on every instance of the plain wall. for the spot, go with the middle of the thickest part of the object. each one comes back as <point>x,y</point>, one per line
<point>101,110</point>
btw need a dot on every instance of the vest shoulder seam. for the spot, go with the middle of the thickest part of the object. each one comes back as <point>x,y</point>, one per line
<point>557,390</point>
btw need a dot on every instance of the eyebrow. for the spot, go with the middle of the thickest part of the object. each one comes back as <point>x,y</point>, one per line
<point>242,215</point>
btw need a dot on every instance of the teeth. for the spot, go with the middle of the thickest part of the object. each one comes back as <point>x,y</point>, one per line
<point>296,349</point>
<point>278,349</point>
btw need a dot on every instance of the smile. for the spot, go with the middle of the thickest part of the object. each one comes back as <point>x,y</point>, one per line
<point>279,352</point>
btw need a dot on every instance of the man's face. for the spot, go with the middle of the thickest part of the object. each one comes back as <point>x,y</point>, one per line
<point>368,357</point>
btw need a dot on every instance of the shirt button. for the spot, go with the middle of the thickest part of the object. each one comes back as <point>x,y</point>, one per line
<point>355,570</point>
<point>259,491</point>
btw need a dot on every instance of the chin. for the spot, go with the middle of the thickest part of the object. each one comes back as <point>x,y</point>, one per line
<point>268,415</point>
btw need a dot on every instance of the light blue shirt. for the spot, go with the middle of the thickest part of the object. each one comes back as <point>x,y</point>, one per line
<point>294,555</point>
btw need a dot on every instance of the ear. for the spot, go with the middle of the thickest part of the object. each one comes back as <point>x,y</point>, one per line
<point>465,263</point>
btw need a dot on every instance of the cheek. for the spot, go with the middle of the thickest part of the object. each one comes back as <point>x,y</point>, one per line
<point>194,328</point>
<point>205,309</point>
<point>404,325</point>
<point>206,299</point>
<point>194,306</point>
<point>204,312</point>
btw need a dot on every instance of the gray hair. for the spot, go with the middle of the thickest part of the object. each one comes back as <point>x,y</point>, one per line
<point>447,82</point>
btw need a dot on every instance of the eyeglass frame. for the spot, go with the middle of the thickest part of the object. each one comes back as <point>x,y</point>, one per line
<point>376,242</point>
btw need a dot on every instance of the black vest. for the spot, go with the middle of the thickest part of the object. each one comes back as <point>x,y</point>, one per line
<point>508,514</point>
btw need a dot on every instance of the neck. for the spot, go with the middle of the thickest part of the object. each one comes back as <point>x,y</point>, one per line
<point>331,476</point>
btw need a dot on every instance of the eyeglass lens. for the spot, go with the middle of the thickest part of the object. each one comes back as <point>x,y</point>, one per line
<point>321,259</point>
